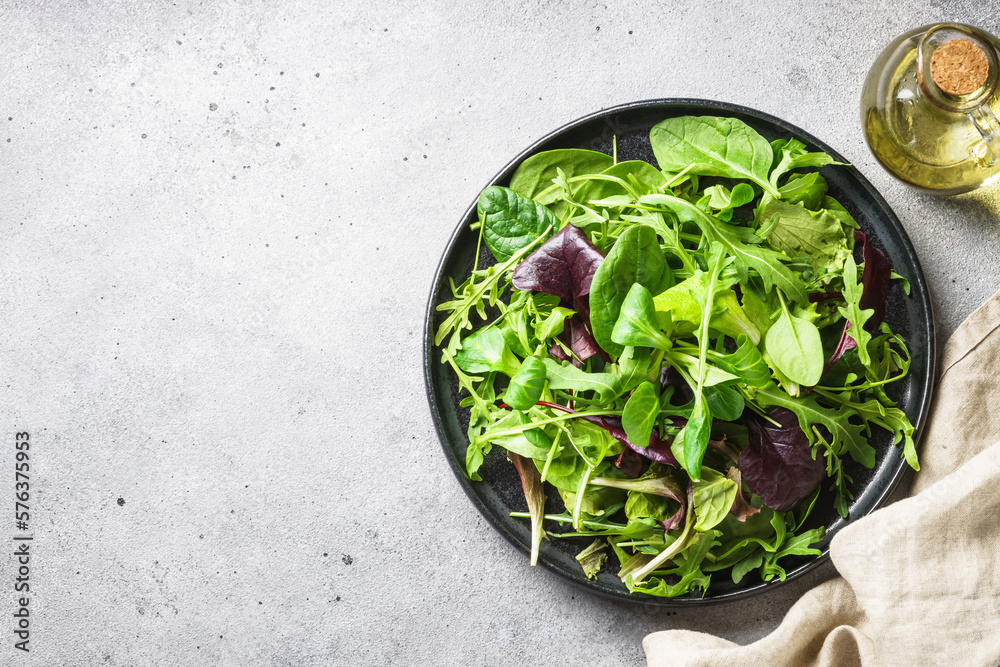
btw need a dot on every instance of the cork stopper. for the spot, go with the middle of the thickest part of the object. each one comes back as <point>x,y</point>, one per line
<point>959,67</point>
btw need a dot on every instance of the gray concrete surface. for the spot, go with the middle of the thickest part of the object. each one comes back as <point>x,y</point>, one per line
<point>220,225</point>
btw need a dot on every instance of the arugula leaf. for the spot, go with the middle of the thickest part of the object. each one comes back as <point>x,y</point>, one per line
<point>561,376</point>
<point>855,316</point>
<point>765,262</point>
<point>845,435</point>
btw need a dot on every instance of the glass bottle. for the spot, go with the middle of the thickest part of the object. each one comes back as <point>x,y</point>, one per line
<point>928,108</point>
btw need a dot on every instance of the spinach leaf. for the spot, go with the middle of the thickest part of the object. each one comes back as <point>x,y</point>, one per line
<point>724,402</point>
<point>637,322</point>
<point>526,385</point>
<point>794,345</point>
<point>533,178</point>
<point>713,147</point>
<point>485,350</point>
<point>713,497</point>
<point>511,222</point>
<point>641,411</point>
<point>794,156</point>
<point>636,257</point>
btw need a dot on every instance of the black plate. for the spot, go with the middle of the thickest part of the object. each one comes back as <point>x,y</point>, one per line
<point>500,491</point>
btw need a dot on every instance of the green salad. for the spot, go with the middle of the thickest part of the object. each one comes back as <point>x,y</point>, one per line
<point>684,353</point>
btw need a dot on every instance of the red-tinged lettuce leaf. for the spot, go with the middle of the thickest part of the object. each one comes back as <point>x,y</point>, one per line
<point>778,463</point>
<point>576,337</point>
<point>629,463</point>
<point>558,353</point>
<point>657,450</point>
<point>534,493</point>
<point>741,509</point>
<point>564,265</point>
<point>875,278</point>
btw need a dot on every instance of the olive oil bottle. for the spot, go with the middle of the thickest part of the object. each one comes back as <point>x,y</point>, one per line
<point>929,105</point>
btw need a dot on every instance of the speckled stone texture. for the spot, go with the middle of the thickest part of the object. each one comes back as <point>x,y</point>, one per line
<point>220,225</point>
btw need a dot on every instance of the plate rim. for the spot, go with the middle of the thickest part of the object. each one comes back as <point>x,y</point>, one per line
<point>919,285</point>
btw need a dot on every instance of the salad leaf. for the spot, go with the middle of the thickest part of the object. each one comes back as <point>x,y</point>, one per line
<point>592,558</point>
<point>511,222</point>
<point>564,266</point>
<point>765,262</point>
<point>636,257</point>
<point>534,493</point>
<point>486,350</point>
<point>533,177</point>
<point>793,155</point>
<point>713,147</point>
<point>641,411</point>
<point>637,323</point>
<point>713,498</point>
<point>805,189</point>
<point>779,465</point>
<point>794,345</point>
<point>526,385</point>
<point>799,232</point>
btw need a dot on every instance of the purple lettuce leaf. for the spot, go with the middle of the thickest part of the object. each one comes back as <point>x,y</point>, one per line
<point>778,463</point>
<point>629,463</point>
<point>576,337</point>
<point>564,265</point>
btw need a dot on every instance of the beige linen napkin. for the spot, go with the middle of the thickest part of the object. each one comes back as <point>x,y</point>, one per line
<point>920,579</point>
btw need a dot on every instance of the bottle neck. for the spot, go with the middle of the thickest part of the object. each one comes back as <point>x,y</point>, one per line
<point>940,35</point>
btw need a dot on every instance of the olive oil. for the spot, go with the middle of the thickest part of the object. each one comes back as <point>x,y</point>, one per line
<point>935,128</point>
